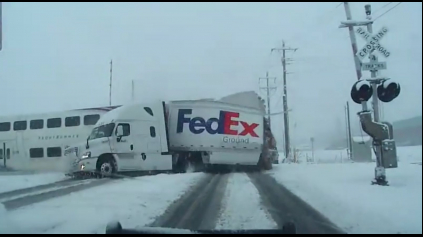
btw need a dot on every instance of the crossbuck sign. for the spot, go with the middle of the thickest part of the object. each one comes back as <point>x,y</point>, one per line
<point>372,43</point>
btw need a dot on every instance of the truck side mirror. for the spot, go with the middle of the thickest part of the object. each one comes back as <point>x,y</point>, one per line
<point>87,146</point>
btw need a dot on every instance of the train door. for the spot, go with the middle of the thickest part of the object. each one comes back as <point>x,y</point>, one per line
<point>8,152</point>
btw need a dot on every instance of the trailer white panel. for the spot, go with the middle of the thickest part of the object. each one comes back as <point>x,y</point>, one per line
<point>214,126</point>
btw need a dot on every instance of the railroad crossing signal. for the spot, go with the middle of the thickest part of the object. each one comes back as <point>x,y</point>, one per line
<point>373,43</point>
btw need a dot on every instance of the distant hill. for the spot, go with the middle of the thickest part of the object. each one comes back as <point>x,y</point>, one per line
<point>408,132</point>
<point>407,123</point>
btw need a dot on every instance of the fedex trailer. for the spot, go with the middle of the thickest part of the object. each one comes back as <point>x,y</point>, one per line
<point>173,137</point>
<point>210,134</point>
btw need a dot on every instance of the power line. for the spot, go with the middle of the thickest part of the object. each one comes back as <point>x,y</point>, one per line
<point>387,11</point>
<point>389,3</point>
<point>318,20</point>
<point>384,12</point>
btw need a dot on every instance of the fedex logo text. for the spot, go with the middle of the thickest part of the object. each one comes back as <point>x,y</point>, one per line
<point>225,124</point>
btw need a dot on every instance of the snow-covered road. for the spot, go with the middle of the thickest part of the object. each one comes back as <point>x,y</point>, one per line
<point>194,201</point>
<point>240,201</point>
<point>241,194</point>
<point>134,202</point>
<point>319,198</point>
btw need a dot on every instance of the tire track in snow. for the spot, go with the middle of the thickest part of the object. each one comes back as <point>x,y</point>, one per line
<point>30,190</point>
<point>39,197</point>
<point>241,207</point>
<point>198,208</point>
<point>284,206</point>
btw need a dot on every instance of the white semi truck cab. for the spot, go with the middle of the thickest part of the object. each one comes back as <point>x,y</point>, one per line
<point>129,138</point>
<point>170,137</point>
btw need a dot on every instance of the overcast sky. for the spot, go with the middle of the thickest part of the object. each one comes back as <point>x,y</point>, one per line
<point>56,56</point>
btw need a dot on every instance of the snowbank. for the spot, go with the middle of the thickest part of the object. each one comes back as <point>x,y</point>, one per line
<point>241,206</point>
<point>410,154</point>
<point>343,193</point>
<point>134,202</point>
<point>321,156</point>
<point>10,181</point>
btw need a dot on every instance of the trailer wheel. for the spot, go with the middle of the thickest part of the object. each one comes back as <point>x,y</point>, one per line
<point>264,163</point>
<point>260,163</point>
<point>185,166</point>
<point>181,165</point>
<point>268,165</point>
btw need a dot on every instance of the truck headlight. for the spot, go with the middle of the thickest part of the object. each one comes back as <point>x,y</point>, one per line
<point>86,155</point>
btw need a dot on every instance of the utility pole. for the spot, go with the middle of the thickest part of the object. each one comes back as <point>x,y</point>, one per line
<point>346,131</point>
<point>1,25</point>
<point>111,78</point>
<point>353,40</point>
<point>268,88</point>
<point>312,148</point>
<point>132,91</point>
<point>354,48</point>
<point>349,138</point>
<point>285,95</point>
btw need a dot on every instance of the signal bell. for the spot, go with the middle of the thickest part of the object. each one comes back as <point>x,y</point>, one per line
<point>361,91</point>
<point>388,90</point>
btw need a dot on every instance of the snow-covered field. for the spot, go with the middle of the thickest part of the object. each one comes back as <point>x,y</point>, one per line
<point>342,192</point>
<point>241,207</point>
<point>135,202</point>
<point>410,154</point>
<point>10,181</point>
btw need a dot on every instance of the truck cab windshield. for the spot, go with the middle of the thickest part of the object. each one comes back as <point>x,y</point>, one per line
<point>105,130</point>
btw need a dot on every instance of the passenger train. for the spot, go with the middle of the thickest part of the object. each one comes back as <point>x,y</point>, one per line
<point>37,141</point>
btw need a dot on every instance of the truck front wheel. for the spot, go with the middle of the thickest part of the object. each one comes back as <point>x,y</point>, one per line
<point>106,167</point>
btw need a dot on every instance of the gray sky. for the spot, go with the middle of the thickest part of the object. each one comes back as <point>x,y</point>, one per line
<point>56,56</point>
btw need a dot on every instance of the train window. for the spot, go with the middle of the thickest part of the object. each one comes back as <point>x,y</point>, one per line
<point>72,121</point>
<point>8,153</point>
<point>149,110</point>
<point>36,153</point>
<point>54,123</point>
<point>1,154</point>
<point>4,127</point>
<point>152,131</point>
<point>91,119</point>
<point>54,152</point>
<point>36,124</point>
<point>19,125</point>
